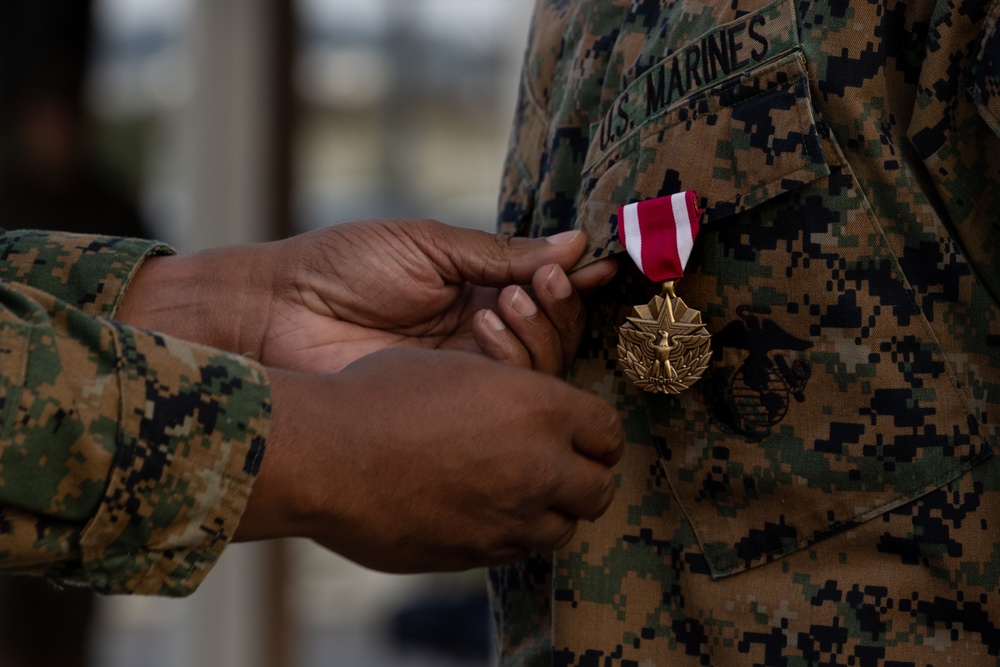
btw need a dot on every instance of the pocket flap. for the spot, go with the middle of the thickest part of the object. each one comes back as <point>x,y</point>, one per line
<point>738,144</point>
<point>827,401</point>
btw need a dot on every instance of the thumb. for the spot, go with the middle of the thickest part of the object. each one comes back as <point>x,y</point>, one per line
<point>498,260</point>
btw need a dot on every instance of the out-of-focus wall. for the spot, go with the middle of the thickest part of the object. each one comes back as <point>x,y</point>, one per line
<point>406,107</point>
<point>402,105</point>
<point>401,108</point>
<point>181,91</point>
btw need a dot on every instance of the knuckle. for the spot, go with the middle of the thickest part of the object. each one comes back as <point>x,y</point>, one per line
<point>608,422</point>
<point>546,350</point>
<point>576,321</point>
<point>482,545</point>
<point>606,496</point>
<point>501,246</point>
<point>518,358</point>
<point>617,435</point>
<point>510,555</point>
<point>563,537</point>
<point>541,482</point>
<point>502,240</point>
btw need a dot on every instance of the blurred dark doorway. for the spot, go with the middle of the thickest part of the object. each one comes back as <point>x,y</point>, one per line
<point>50,179</point>
<point>49,175</point>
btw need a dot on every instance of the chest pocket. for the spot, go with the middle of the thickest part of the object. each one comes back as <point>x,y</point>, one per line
<point>828,401</point>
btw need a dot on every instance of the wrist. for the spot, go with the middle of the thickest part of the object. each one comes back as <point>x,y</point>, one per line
<point>291,496</point>
<point>215,297</point>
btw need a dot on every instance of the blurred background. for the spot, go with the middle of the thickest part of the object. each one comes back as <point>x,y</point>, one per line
<point>208,122</point>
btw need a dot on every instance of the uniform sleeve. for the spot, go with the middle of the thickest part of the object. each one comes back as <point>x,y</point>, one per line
<point>126,456</point>
<point>89,272</point>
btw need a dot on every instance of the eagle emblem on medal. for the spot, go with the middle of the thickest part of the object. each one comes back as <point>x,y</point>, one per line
<point>664,347</point>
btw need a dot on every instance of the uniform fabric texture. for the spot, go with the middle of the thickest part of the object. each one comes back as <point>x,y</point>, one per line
<point>827,492</point>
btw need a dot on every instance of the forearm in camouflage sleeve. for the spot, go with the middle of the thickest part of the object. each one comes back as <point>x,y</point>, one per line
<point>126,457</point>
<point>89,272</point>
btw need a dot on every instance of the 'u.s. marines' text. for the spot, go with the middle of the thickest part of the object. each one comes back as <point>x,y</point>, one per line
<point>705,62</point>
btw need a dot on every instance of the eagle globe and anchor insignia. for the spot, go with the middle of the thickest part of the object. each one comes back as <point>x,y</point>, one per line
<point>664,347</point>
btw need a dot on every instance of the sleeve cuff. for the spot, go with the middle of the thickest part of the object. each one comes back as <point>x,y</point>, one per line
<point>89,272</point>
<point>192,429</point>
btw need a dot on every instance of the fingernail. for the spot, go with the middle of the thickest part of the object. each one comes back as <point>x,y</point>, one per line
<point>558,284</point>
<point>563,238</point>
<point>492,321</point>
<point>522,303</point>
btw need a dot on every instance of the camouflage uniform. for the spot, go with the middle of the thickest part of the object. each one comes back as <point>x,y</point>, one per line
<point>126,456</point>
<point>826,494</point>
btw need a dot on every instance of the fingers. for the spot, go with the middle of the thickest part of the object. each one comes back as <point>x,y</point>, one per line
<point>548,334</point>
<point>525,335</point>
<point>550,331</point>
<point>497,341</point>
<point>552,530</point>
<point>592,276</point>
<point>580,484</point>
<point>493,259</point>
<point>583,490</point>
<point>564,311</point>
<point>598,434</point>
<point>586,490</point>
<point>543,332</point>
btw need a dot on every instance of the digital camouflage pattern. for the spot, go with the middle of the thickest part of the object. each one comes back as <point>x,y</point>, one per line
<point>126,456</point>
<point>827,493</point>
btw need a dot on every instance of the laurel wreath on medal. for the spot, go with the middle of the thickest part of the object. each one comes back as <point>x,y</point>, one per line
<point>664,347</point>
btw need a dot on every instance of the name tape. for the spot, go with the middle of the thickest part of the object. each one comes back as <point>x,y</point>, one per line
<point>749,41</point>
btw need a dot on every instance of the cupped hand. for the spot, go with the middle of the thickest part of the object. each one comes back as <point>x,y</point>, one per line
<point>321,300</point>
<point>411,460</point>
<point>352,289</point>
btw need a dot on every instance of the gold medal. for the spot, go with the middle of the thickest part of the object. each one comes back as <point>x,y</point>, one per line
<point>664,347</point>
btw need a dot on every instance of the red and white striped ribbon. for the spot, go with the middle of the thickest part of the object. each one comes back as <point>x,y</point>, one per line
<point>659,233</point>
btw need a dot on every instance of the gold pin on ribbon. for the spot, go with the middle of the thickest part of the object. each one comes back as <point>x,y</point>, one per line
<point>663,346</point>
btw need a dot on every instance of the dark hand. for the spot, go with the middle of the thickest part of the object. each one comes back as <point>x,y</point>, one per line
<point>356,288</point>
<point>411,460</point>
<point>321,300</point>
